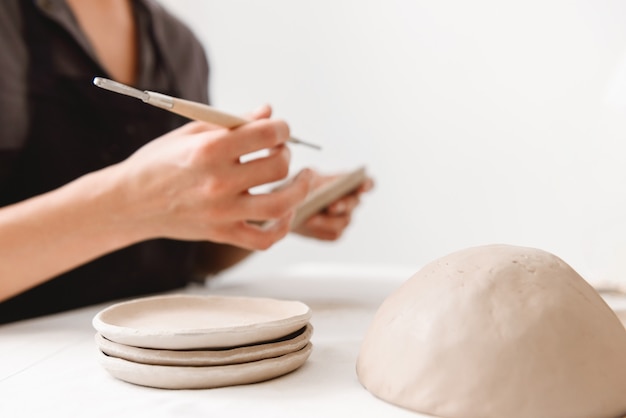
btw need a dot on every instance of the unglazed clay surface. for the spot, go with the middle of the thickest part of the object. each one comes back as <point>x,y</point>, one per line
<point>497,331</point>
<point>182,377</point>
<point>184,322</point>
<point>325,195</point>
<point>243,354</point>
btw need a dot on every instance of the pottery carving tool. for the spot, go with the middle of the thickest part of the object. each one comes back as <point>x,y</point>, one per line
<point>186,108</point>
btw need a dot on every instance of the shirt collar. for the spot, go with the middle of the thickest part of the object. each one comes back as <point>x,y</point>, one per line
<point>59,12</point>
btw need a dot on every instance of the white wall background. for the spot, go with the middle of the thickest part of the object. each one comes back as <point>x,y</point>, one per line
<point>481,122</point>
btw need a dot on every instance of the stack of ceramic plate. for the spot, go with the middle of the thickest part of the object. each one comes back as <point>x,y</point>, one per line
<point>193,342</point>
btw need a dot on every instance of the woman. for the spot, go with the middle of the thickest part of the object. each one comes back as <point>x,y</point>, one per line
<point>92,207</point>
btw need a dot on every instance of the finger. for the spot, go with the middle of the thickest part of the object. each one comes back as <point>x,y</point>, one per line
<point>255,136</point>
<point>261,237</point>
<point>344,205</point>
<point>327,228</point>
<point>262,112</point>
<point>349,202</point>
<point>274,205</point>
<point>267,169</point>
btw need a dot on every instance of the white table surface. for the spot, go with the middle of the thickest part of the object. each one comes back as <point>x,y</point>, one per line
<point>48,366</point>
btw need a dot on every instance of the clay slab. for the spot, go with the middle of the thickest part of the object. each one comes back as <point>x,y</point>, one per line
<point>179,377</point>
<point>292,343</point>
<point>325,195</point>
<point>184,322</point>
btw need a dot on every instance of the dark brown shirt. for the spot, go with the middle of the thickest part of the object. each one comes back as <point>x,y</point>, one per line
<point>56,126</point>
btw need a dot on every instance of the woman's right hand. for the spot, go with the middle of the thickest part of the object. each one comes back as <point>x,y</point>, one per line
<point>190,184</point>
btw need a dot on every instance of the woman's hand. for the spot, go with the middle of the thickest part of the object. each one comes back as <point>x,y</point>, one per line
<point>191,184</point>
<point>330,223</point>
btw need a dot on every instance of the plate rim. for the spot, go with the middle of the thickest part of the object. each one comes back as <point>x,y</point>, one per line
<point>202,357</point>
<point>202,377</point>
<point>197,338</point>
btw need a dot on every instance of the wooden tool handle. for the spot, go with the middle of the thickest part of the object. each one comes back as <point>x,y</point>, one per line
<point>205,113</point>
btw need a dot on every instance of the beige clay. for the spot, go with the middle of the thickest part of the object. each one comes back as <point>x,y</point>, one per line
<point>204,377</point>
<point>185,322</point>
<point>497,331</point>
<point>220,357</point>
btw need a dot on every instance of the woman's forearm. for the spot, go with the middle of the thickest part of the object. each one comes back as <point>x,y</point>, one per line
<point>57,231</point>
<point>188,185</point>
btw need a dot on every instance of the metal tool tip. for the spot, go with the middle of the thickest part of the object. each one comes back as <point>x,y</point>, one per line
<point>117,87</point>
<point>308,144</point>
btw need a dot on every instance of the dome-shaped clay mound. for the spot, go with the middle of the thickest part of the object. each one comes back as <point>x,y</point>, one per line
<point>497,331</point>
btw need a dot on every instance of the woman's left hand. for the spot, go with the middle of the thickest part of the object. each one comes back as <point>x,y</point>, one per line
<point>331,222</point>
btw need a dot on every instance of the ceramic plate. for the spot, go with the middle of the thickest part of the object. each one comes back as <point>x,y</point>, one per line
<point>289,344</point>
<point>178,377</point>
<point>185,322</point>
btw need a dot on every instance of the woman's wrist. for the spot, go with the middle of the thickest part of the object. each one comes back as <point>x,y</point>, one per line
<point>110,209</point>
